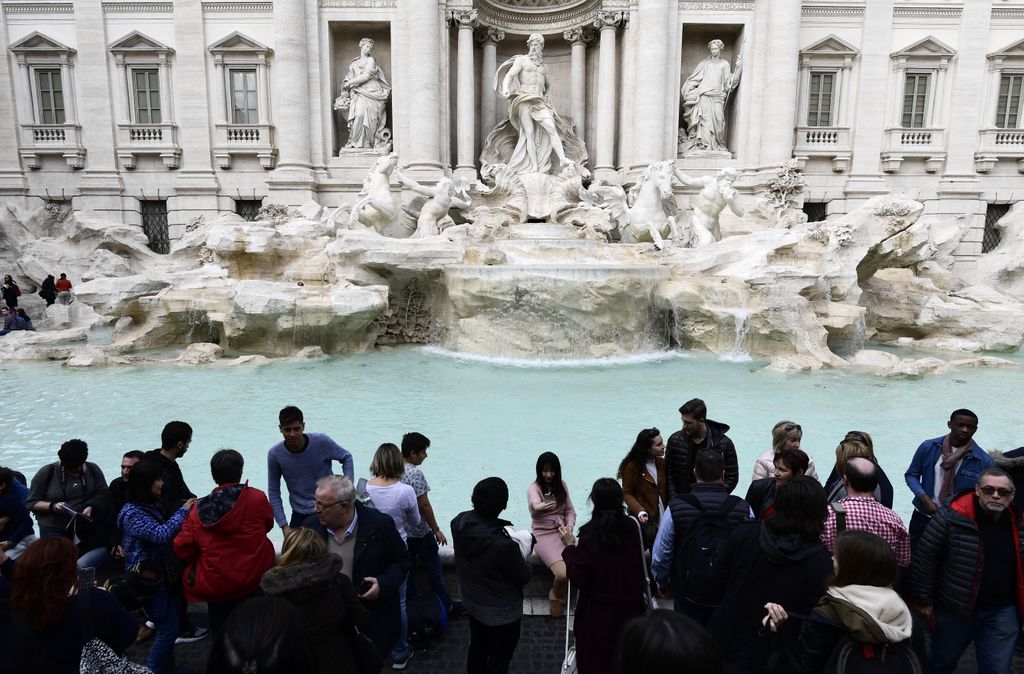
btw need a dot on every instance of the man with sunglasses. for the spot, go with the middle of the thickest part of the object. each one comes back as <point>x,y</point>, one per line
<point>968,578</point>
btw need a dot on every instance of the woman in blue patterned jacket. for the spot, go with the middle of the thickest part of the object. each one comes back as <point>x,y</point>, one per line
<point>147,537</point>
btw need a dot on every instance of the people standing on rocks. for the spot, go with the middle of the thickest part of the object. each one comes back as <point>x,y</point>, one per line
<point>550,509</point>
<point>223,541</point>
<point>397,500</point>
<point>944,467</point>
<point>301,459</point>
<point>785,435</point>
<point>492,570</point>
<point>859,510</point>
<point>11,292</point>
<point>147,535</point>
<point>423,539</point>
<point>63,288</point>
<point>789,463</point>
<point>857,444</point>
<point>16,531</point>
<point>48,290</point>
<point>692,537</point>
<point>607,566</point>
<point>645,481</point>
<point>374,557</point>
<point>968,577</point>
<point>698,433</point>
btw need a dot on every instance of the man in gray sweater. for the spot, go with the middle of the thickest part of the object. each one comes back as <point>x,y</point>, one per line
<point>301,459</point>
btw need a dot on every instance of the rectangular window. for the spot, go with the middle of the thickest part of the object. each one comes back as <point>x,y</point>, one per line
<point>154,224</point>
<point>244,106</point>
<point>1008,109</point>
<point>991,237</point>
<point>51,97</point>
<point>915,100</point>
<point>147,96</point>
<point>248,208</point>
<point>822,95</point>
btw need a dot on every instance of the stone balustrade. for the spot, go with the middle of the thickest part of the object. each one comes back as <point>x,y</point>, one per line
<point>148,139</point>
<point>996,144</point>
<point>65,140</point>
<point>834,142</point>
<point>900,142</point>
<point>232,140</point>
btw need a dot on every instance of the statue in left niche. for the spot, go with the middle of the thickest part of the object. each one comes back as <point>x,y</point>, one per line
<point>534,138</point>
<point>364,98</point>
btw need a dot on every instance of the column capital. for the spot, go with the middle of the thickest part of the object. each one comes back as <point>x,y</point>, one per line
<point>490,34</point>
<point>610,20</point>
<point>463,18</point>
<point>579,35</point>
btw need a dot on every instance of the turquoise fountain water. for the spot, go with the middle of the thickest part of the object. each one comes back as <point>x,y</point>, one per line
<point>486,417</point>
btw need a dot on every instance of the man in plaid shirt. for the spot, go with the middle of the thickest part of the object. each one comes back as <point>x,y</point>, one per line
<point>861,511</point>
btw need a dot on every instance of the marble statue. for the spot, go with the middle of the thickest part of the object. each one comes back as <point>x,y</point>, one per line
<point>648,213</point>
<point>364,97</point>
<point>705,94</point>
<point>499,198</point>
<point>377,207</point>
<point>715,194</point>
<point>534,138</point>
<point>440,199</point>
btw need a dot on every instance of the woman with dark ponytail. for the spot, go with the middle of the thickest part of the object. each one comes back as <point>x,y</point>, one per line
<point>606,566</point>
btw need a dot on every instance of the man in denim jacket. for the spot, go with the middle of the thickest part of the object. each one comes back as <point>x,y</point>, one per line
<point>944,467</point>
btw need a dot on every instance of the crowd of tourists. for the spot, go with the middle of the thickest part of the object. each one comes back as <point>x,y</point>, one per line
<point>797,576</point>
<point>15,317</point>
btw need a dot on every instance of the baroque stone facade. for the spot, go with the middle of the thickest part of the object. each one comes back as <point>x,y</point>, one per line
<point>185,109</point>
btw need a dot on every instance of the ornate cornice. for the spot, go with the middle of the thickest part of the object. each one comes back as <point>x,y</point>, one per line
<point>523,17</point>
<point>927,12</point>
<point>833,10</point>
<point>718,5</point>
<point>1009,12</point>
<point>361,4</point>
<point>39,8</point>
<point>138,7</point>
<point>238,7</point>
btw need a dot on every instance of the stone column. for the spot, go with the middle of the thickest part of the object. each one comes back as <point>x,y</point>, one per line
<point>196,188</point>
<point>12,180</point>
<point>782,77</point>
<point>292,182</point>
<point>651,86</point>
<point>870,112</point>
<point>489,38</point>
<point>421,152</point>
<point>465,104</point>
<point>100,186</point>
<point>604,152</point>
<point>578,39</point>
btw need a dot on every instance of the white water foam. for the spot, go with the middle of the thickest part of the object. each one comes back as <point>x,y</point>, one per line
<point>505,361</point>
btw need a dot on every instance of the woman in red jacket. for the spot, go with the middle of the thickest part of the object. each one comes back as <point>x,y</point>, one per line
<point>224,541</point>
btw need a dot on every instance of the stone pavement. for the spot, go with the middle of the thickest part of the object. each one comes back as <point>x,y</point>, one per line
<point>540,650</point>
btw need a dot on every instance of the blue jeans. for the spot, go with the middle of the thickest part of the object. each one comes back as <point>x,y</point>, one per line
<point>401,650</point>
<point>97,558</point>
<point>425,548</point>
<point>994,634</point>
<point>163,611</point>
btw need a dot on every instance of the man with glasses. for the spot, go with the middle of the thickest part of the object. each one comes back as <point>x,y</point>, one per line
<point>373,554</point>
<point>944,467</point>
<point>967,576</point>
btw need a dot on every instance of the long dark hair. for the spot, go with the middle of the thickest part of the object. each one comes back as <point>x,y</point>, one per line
<point>864,559</point>
<point>140,484</point>
<point>608,521</point>
<point>800,508</point>
<point>550,460</point>
<point>641,450</point>
<point>262,635</point>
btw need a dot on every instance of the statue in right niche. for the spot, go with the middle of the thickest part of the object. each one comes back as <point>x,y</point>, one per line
<point>705,94</point>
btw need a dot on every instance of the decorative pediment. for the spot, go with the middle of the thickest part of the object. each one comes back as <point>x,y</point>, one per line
<point>832,45</point>
<point>239,44</point>
<point>929,47</point>
<point>1014,51</point>
<point>140,44</point>
<point>37,44</point>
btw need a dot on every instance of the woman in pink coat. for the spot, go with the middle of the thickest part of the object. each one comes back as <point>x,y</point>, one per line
<point>551,508</point>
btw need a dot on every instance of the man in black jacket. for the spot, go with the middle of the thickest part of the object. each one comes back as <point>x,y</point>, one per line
<point>492,572</point>
<point>372,552</point>
<point>669,562</point>
<point>967,575</point>
<point>698,433</point>
<point>174,442</point>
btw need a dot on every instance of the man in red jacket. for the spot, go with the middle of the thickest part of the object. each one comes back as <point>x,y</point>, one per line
<point>224,541</point>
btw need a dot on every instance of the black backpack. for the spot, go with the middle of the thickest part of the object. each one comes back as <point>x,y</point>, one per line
<point>854,657</point>
<point>702,548</point>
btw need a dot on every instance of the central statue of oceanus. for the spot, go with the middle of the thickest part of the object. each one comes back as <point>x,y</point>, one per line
<point>534,138</point>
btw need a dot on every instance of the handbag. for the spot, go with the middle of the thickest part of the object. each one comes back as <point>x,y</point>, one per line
<point>648,599</point>
<point>569,662</point>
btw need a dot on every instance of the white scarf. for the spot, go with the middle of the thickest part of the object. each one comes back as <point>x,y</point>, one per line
<point>882,605</point>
